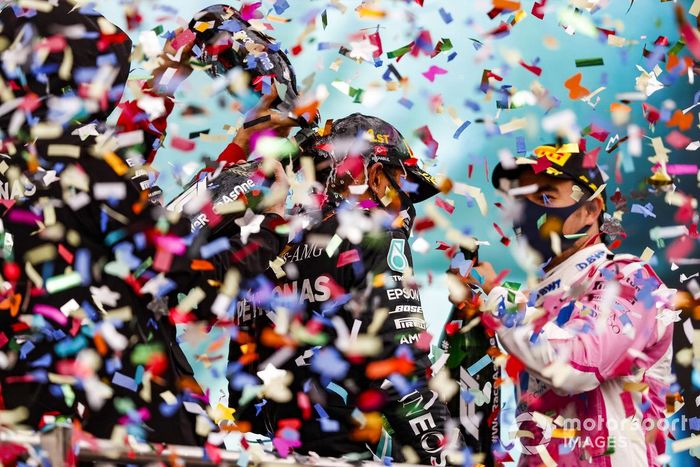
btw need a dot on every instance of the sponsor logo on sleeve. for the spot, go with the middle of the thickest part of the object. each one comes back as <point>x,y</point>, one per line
<point>408,323</point>
<point>407,309</point>
<point>396,259</point>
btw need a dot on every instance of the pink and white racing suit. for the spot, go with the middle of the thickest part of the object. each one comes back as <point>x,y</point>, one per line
<point>596,347</point>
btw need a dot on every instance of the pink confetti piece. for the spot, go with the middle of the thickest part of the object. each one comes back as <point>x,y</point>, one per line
<point>367,204</point>
<point>162,261</point>
<point>682,169</point>
<point>182,144</point>
<point>172,244</point>
<point>23,217</point>
<point>186,37</point>
<point>54,314</point>
<point>692,42</point>
<point>433,72</point>
<point>677,140</point>
<point>444,205</point>
<point>348,257</point>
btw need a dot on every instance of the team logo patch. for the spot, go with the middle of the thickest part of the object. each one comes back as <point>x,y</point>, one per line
<point>556,156</point>
<point>396,259</point>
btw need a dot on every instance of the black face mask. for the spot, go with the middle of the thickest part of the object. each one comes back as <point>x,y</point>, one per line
<point>527,227</point>
<point>406,203</point>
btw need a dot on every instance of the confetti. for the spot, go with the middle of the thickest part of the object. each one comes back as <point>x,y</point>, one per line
<point>338,296</point>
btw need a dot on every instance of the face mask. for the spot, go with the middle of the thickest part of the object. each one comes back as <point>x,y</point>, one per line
<point>527,227</point>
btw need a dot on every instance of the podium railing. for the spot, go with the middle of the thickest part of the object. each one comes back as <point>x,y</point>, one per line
<point>58,448</point>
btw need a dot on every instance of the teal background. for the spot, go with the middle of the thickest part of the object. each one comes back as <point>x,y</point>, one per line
<point>645,21</point>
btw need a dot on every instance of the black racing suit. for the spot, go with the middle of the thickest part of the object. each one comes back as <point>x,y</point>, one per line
<point>363,285</point>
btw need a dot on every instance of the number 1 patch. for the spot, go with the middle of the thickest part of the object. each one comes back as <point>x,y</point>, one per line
<point>396,259</point>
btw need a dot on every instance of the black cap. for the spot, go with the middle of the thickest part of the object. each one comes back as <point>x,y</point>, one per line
<point>558,161</point>
<point>227,41</point>
<point>376,141</point>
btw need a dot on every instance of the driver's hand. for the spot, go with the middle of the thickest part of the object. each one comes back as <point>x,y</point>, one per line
<point>488,276</point>
<point>278,121</point>
<point>171,58</point>
<point>275,201</point>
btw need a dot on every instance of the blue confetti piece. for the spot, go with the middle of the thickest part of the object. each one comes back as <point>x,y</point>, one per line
<point>461,128</point>
<point>320,410</point>
<point>124,381</point>
<point>251,62</point>
<point>520,146</point>
<point>328,425</point>
<point>408,187</point>
<point>451,56</point>
<point>406,103</point>
<point>68,347</point>
<point>90,311</point>
<point>446,16</point>
<point>168,410</point>
<point>535,336</point>
<point>565,314</point>
<point>231,26</point>
<point>280,6</point>
<point>472,105</point>
<point>695,378</point>
<point>43,361</point>
<point>56,391</point>
<point>466,395</point>
<point>242,379</point>
<point>626,321</point>
<point>479,365</point>
<point>107,59</point>
<point>400,384</point>
<point>112,365</point>
<point>329,363</point>
<point>219,245</point>
<point>694,423</point>
<point>338,390</point>
<point>138,377</point>
<point>26,348</point>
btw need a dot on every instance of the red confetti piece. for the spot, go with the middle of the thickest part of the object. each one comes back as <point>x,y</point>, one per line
<point>651,113</point>
<point>422,224</point>
<point>590,159</point>
<point>65,254</point>
<point>538,9</point>
<point>514,367</point>
<point>541,165</point>
<point>531,68</point>
<point>427,138</point>
<point>599,133</point>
